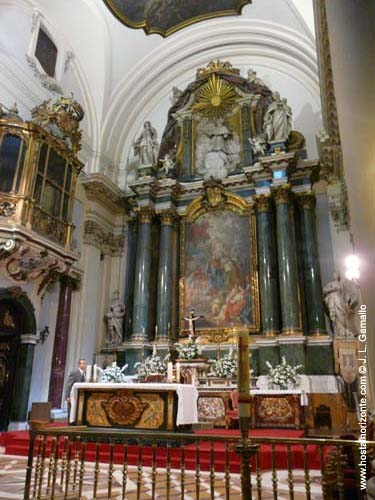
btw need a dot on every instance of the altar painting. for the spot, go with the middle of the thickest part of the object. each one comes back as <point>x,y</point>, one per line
<point>218,270</point>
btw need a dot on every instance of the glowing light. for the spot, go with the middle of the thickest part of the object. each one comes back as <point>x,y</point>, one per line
<point>352,264</point>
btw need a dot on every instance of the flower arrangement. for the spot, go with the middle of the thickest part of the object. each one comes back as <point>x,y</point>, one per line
<point>224,367</point>
<point>113,374</point>
<point>190,350</point>
<point>283,376</point>
<point>152,364</point>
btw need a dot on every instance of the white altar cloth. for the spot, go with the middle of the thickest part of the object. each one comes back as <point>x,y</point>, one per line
<point>261,392</point>
<point>187,409</point>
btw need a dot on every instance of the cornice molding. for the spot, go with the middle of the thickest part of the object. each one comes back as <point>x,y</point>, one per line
<point>100,189</point>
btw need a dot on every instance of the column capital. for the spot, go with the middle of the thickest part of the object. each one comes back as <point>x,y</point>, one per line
<point>307,200</point>
<point>169,217</point>
<point>146,215</point>
<point>263,202</point>
<point>283,194</point>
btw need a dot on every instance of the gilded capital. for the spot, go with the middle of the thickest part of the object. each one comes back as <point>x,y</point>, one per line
<point>283,194</point>
<point>263,202</point>
<point>146,215</point>
<point>307,201</point>
<point>168,217</point>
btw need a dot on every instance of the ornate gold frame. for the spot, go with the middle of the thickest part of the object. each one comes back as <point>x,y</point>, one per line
<point>164,33</point>
<point>198,207</point>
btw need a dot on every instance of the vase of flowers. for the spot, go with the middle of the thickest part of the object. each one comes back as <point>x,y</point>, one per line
<point>152,365</point>
<point>189,351</point>
<point>113,374</point>
<point>225,367</point>
<point>283,376</point>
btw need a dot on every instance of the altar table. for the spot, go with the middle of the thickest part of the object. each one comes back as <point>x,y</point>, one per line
<point>151,406</point>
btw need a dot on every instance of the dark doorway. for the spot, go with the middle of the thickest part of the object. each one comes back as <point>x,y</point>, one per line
<point>14,322</point>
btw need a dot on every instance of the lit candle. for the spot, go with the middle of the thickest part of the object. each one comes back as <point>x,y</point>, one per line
<point>178,372</point>
<point>170,371</point>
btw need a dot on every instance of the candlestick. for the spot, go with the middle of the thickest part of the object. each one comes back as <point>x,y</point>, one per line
<point>95,373</point>
<point>88,373</point>
<point>156,332</point>
<point>170,371</point>
<point>178,372</point>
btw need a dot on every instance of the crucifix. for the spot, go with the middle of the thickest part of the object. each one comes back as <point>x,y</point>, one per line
<point>192,319</point>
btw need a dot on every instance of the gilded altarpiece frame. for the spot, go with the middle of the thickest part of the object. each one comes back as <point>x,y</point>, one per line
<point>219,266</point>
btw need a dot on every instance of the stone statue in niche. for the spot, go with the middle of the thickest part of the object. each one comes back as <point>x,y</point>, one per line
<point>218,150</point>
<point>168,166</point>
<point>277,122</point>
<point>146,146</point>
<point>341,298</point>
<point>114,319</point>
<point>253,79</point>
<point>258,146</point>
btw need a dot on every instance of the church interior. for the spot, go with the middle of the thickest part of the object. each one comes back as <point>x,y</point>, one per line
<point>187,249</point>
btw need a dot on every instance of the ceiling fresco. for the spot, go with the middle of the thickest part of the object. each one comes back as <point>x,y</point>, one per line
<point>167,16</point>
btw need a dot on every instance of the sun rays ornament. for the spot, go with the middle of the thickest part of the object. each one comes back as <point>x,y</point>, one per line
<point>216,98</point>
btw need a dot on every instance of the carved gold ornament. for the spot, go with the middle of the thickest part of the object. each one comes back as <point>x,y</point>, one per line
<point>216,67</point>
<point>124,409</point>
<point>216,98</point>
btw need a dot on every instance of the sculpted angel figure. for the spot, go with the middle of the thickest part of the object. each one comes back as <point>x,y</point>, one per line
<point>342,302</point>
<point>258,145</point>
<point>168,165</point>
<point>252,78</point>
<point>277,122</point>
<point>114,319</point>
<point>146,146</point>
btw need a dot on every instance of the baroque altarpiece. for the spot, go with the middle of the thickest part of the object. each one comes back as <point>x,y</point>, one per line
<point>228,231</point>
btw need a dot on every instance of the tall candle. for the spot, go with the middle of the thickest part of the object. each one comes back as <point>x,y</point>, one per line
<point>88,373</point>
<point>178,372</point>
<point>156,332</point>
<point>170,371</point>
<point>95,373</point>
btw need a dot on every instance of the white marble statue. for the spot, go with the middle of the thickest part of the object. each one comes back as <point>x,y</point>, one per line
<point>218,150</point>
<point>277,122</point>
<point>176,94</point>
<point>252,78</point>
<point>258,146</point>
<point>341,298</point>
<point>146,146</point>
<point>114,320</point>
<point>168,165</point>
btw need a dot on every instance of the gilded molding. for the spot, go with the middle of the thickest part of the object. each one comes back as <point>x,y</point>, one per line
<point>7,208</point>
<point>146,215</point>
<point>283,194</point>
<point>307,200</point>
<point>169,217</point>
<point>263,202</point>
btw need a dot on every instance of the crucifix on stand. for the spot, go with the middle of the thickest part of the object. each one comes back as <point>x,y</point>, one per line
<point>192,319</point>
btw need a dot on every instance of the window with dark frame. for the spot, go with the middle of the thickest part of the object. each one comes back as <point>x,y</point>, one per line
<point>46,53</point>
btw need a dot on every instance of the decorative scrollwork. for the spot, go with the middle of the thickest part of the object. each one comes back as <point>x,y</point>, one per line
<point>124,408</point>
<point>7,208</point>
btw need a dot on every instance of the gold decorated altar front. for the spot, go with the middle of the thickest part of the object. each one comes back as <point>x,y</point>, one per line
<point>134,406</point>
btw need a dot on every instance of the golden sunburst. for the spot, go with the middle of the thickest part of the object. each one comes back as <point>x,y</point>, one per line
<point>215,98</point>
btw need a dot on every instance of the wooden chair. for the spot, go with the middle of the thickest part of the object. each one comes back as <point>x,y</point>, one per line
<point>231,414</point>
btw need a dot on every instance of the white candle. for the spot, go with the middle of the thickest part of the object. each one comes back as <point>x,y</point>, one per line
<point>178,372</point>
<point>88,373</point>
<point>170,371</point>
<point>95,373</point>
<point>193,377</point>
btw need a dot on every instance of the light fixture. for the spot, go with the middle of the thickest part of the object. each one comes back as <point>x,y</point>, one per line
<point>352,265</point>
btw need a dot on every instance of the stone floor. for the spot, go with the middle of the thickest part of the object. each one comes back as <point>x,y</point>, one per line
<point>12,477</point>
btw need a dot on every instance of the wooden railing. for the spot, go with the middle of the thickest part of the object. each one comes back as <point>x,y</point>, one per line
<point>95,463</point>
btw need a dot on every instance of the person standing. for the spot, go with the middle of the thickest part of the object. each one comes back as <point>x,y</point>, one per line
<point>77,375</point>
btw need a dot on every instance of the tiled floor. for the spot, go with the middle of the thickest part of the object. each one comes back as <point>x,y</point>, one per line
<point>13,469</point>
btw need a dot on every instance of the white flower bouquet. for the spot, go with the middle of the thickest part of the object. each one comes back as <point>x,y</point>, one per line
<point>283,376</point>
<point>224,367</point>
<point>152,364</point>
<point>113,374</point>
<point>190,350</point>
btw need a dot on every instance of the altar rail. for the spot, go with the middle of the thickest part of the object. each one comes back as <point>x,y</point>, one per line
<point>106,463</point>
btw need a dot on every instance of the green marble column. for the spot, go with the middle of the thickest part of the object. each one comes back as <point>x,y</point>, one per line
<point>142,279</point>
<point>22,380</point>
<point>165,273</point>
<point>247,155</point>
<point>267,262</point>
<point>287,257</point>
<point>311,269</point>
<point>131,253</point>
